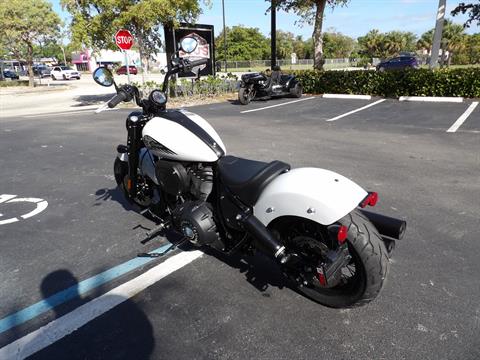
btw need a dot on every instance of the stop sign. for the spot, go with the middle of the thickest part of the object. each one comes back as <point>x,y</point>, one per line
<point>124,39</point>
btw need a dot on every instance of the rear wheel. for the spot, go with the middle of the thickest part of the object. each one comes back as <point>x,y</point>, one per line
<point>244,96</point>
<point>360,280</point>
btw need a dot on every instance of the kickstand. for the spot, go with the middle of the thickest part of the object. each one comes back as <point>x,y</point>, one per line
<point>170,248</point>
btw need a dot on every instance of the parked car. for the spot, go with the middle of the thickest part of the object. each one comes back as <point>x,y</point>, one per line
<point>122,70</point>
<point>398,63</point>
<point>65,73</point>
<point>41,71</point>
<point>9,74</point>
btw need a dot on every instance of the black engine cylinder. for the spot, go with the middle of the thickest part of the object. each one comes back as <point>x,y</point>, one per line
<point>173,177</point>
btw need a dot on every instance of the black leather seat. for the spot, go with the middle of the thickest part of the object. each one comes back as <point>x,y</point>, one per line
<point>247,178</point>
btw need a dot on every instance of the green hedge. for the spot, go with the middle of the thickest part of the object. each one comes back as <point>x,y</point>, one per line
<point>415,82</point>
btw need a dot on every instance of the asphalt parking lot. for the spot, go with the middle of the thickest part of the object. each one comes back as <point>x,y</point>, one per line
<point>232,308</point>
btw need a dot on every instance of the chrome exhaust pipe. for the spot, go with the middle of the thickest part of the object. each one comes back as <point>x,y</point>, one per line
<point>388,227</point>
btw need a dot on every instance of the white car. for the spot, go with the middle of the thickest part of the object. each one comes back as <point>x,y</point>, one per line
<point>65,73</point>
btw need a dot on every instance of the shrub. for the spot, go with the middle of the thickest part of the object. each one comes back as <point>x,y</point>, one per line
<point>7,83</point>
<point>206,86</point>
<point>415,82</point>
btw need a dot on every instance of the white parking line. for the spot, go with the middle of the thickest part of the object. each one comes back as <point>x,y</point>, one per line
<point>357,110</point>
<point>432,99</point>
<point>66,113</point>
<point>463,117</point>
<point>65,325</point>
<point>272,106</point>
<point>347,96</point>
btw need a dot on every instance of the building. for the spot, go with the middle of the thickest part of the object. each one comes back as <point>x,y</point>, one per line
<point>87,60</point>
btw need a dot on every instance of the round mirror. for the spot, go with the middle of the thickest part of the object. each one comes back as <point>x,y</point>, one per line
<point>103,76</point>
<point>188,44</point>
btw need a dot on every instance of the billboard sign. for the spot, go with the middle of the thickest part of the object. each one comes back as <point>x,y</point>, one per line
<point>205,39</point>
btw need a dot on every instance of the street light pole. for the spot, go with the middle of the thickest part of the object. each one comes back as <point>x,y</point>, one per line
<point>437,37</point>
<point>273,35</point>
<point>224,37</point>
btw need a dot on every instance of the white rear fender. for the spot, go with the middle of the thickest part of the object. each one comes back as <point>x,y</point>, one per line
<point>317,194</point>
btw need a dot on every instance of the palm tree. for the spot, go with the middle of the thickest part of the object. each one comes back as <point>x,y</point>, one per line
<point>453,40</point>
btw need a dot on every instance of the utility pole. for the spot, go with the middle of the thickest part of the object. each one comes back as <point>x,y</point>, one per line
<point>273,34</point>
<point>224,36</point>
<point>437,37</point>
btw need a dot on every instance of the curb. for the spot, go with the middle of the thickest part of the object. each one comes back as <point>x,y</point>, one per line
<point>347,96</point>
<point>431,99</point>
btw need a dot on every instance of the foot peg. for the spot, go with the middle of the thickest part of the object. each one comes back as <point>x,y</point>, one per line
<point>170,248</point>
<point>154,232</point>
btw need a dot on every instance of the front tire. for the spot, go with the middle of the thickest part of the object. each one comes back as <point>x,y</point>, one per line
<point>370,263</point>
<point>297,90</point>
<point>120,171</point>
<point>244,96</point>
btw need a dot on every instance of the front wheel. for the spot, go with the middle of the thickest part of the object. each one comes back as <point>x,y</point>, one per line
<point>244,96</point>
<point>360,281</point>
<point>297,90</point>
<point>145,192</point>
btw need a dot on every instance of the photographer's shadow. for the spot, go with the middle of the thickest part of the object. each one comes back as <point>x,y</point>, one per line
<point>123,332</point>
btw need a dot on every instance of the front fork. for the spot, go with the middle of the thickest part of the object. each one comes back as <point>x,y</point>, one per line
<point>134,138</point>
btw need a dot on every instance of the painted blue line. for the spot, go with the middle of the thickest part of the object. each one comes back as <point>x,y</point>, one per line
<point>74,291</point>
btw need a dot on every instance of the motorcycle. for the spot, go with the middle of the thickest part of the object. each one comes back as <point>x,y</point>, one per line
<point>312,222</point>
<point>258,86</point>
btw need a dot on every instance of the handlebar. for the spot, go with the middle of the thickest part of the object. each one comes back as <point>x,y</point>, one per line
<point>198,62</point>
<point>129,92</point>
<point>117,99</point>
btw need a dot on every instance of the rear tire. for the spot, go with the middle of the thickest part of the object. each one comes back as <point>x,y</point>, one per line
<point>244,96</point>
<point>369,258</point>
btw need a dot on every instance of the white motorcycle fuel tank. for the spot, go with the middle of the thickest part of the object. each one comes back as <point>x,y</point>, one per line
<point>183,136</point>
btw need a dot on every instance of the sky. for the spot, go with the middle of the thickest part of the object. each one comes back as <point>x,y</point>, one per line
<point>356,19</point>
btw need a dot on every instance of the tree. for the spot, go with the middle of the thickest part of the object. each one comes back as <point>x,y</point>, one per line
<point>371,43</point>
<point>244,43</point>
<point>95,22</point>
<point>426,41</point>
<point>385,45</point>
<point>285,44</point>
<point>23,25</point>
<point>473,49</point>
<point>337,45</point>
<point>312,13</point>
<point>453,39</point>
<point>473,11</point>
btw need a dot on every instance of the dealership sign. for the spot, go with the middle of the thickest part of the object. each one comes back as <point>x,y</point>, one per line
<point>205,39</point>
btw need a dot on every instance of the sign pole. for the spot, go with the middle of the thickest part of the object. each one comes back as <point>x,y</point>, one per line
<point>128,67</point>
<point>437,37</point>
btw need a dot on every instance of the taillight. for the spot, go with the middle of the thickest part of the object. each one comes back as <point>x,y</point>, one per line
<point>342,234</point>
<point>370,200</point>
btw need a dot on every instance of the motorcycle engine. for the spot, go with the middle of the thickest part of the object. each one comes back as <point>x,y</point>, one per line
<point>195,220</point>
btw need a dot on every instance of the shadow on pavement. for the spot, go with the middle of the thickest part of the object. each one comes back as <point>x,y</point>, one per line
<point>85,100</point>
<point>259,270</point>
<point>123,332</point>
